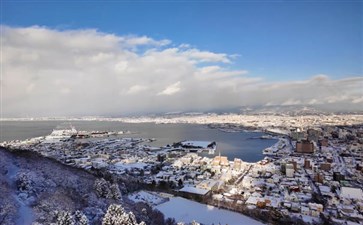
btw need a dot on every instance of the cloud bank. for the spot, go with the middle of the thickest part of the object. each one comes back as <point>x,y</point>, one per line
<point>47,72</point>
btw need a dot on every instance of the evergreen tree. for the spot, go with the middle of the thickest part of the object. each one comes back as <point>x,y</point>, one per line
<point>115,190</point>
<point>116,215</point>
<point>105,189</point>
<point>64,218</point>
<point>101,187</point>
<point>80,218</point>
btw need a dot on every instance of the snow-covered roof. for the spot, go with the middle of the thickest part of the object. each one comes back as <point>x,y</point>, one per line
<point>194,190</point>
<point>349,192</point>
<point>324,189</point>
<point>120,165</point>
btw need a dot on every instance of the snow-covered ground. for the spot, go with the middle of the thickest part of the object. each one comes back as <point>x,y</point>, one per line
<point>186,211</point>
<point>147,197</point>
<point>124,166</point>
<point>25,213</point>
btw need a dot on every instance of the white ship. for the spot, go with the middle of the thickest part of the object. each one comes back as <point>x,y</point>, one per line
<point>61,135</point>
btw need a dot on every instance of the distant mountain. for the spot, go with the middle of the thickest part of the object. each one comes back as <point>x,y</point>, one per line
<point>296,110</point>
<point>292,110</point>
<point>283,110</point>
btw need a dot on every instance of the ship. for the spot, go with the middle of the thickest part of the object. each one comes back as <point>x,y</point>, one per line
<point>61,134</point>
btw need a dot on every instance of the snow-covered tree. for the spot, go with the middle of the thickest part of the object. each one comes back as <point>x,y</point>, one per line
<point>6,209</point>
<point>116,215</point>
<point>23,181</point>
<point>101,187</point>
<point>80,218</point>
<point>195,223</point>
<point>64,218</point>
<point>105,189</point>
<point>170,221</point>
<point>115,190</point>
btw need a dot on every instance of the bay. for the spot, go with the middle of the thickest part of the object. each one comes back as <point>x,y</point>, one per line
<point>243,145</point>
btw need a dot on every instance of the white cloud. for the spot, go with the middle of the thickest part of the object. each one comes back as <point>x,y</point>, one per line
<point>121,66</point>
<point>87,72</point>
<point>171,89</point>
<point>357,100</point>
<point>136,89</point>
<point>65,90</point>
<point>291,102</point>
<point>313,102</point>
<point>184,45</point>
<point>205,56</point>
<point>144,40</point>
<point>209,69</point>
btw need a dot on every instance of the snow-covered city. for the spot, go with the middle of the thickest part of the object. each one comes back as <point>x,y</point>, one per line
<point>311,175</point>
<point>181,112</point>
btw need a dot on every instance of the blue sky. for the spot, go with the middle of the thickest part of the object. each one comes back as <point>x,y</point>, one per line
<point>125,57</point>
<point>275,40</point>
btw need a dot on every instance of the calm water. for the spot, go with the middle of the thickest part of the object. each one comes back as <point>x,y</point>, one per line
<point>233,145</point>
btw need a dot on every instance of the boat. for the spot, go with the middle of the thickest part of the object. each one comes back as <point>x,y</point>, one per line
<point>270,151</point>
<point>61,135</point>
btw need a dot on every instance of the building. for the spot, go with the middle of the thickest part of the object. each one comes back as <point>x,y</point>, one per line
<point>294,164</point>
<point>161,157</point>
<point>220,160</point>
<point>307,164</point>
<point>304,146</point>
<point>297,135</point>
<point>290,170</point>
<point>323,142</point>
<point>208,185</point>
<point>313,135</point>
<point>351,193</point>
<point>315,209</point>
<point>319,178</point>
<point>237,164</point>
<point>325,166</point>
<point>337,176</point>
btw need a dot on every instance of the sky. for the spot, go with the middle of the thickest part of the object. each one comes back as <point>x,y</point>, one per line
<point>72,58</point>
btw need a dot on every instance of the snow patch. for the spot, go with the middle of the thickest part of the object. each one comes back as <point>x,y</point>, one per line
<point>186,211</point>
<point>148,197</point>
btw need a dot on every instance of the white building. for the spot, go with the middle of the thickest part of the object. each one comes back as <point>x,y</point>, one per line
<point>290,170</point>
<point>351,193</point>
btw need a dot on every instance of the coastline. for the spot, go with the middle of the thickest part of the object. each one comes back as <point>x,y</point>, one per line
<point>39,154</point>
<point>270,173</point>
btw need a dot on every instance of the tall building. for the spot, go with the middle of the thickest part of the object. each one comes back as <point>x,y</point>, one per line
<point>325,166</point>
<point>297,134</point>
<point>304,146</point>
<point>237,164</point>
<point>220,160</point>
<point>319,178</point>
<point>313,135</point>
<point>307,164</point>
<point>290,170</point>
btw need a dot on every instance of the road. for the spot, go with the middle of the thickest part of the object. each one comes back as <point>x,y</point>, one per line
<point>239,180</point>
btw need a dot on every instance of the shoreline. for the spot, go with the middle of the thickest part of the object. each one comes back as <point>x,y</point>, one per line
<point>269,173</point>
<point>210,202</point>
